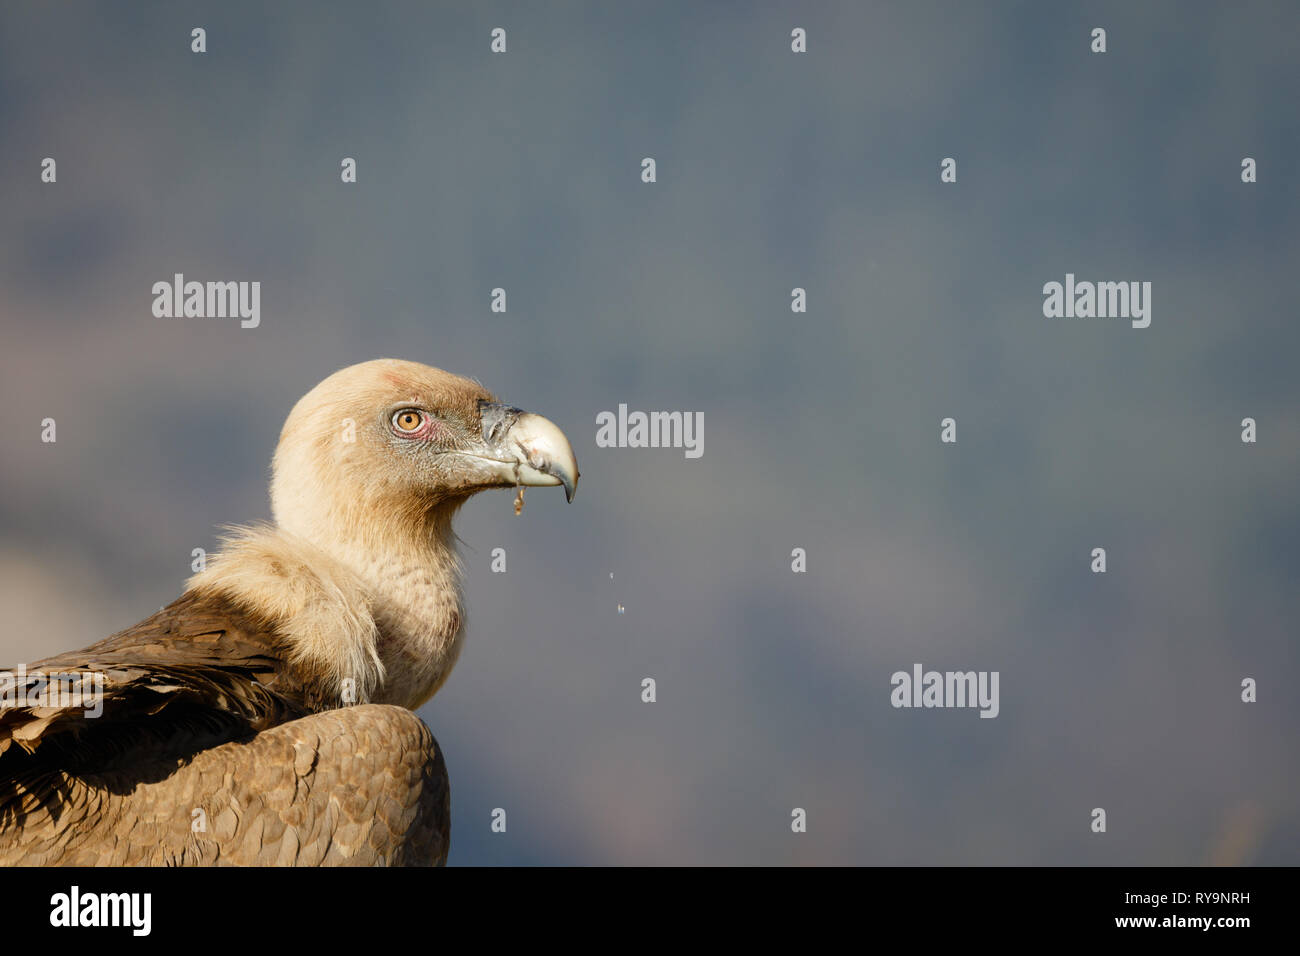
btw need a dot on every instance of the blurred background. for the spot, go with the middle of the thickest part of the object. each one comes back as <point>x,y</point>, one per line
<point>821,430</point>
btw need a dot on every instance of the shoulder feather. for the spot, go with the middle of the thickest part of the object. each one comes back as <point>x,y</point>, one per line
<point>321,609</point>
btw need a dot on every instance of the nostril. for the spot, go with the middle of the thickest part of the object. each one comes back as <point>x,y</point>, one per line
<point>496,419</point>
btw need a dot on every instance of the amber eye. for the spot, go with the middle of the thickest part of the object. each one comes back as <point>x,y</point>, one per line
<point>407,420</point>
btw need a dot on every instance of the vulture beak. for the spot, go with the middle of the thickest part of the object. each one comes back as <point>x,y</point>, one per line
<point>527,449</point>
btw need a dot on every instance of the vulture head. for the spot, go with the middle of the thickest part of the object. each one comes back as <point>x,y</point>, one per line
<point>390,444</point>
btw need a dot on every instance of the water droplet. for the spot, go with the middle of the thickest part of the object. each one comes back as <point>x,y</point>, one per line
<point>620,609</point>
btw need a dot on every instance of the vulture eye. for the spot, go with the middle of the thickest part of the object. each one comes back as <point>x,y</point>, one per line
<point>408,420</point>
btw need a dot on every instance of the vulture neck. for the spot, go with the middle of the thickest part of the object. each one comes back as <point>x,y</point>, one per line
<point>411,574</point>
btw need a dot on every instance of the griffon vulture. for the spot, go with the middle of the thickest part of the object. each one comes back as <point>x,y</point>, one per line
<point>264,717</point>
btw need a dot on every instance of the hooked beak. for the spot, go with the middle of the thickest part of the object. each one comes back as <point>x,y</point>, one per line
<point>527,449</point>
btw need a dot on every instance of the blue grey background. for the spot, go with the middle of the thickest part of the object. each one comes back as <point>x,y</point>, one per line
<point>821,430</point>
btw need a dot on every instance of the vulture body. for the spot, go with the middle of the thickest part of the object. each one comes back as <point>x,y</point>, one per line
<point>265,716</point>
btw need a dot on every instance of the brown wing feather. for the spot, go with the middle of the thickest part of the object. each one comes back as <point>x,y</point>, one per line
<point>200,672</point>
<point>204,652</point>
<point>362,785</point>
<point>204,714</point>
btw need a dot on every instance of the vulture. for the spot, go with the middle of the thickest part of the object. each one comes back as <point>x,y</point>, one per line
<point>265,717</point>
